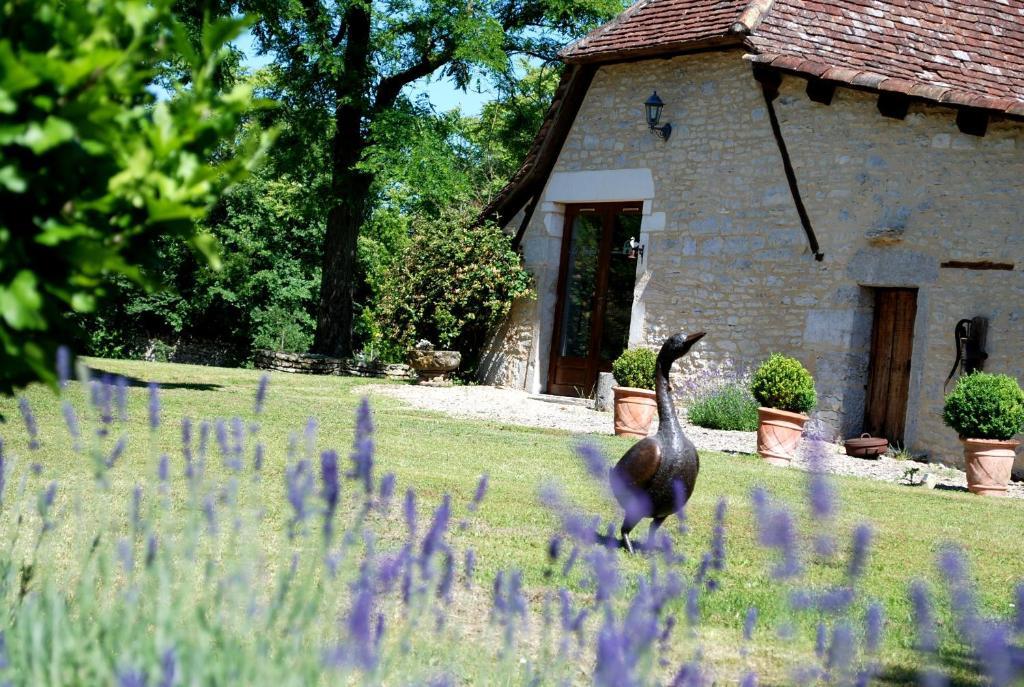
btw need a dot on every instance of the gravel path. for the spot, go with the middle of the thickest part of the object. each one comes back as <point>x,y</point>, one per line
<point>516,407</point>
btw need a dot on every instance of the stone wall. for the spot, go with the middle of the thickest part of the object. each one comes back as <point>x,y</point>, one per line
<point>890,200</point>
<point>312,363</point>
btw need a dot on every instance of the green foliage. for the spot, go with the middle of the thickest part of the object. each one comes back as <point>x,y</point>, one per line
<point>730,406</point>
<point>784,384</point>
<point>452,284</point>
<point>985,406</point>
<point>635,368</point>
<point>94,169</point>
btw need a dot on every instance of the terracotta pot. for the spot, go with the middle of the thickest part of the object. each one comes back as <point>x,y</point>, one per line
<point>989,463</point>
<point>634,411</point>
<point>866,446</point>
<point>778,434</point>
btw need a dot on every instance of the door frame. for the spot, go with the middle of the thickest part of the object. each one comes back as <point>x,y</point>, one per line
<point>607,209</point>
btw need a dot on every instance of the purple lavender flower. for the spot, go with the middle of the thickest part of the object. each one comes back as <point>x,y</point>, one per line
<point>570,561</point>
<point>689,675</point>
<point>360,626</point>
<point>204,440</point>
<point>168,668</point>
<point>595,461</point>
<point>30,423</point>
<point>444,587</point>
<point>874,620</point>
<point>749,623</point>
<point>859,552</point>
<point>210,512</point>
<point>819,490</point>
<point>409,509</point>
<point>924,619</point>
<point>386,491</point>
<point>71,421</point>
<point>257,459</point>
<point>718,538</point>
<point>300,484</point>
<point>121,392</point>
<point>127,677</point>
<point>309,437</point>
<point>777,531</point>
<point>613,667</point>
<point>105,404</point>
<point>237,444</point>
<point>481,489</point>
<point>953,566</point>
<point>820,640</point>
<point>330,489</point>
<point>63,366</point>
<point>435,535</point>
<point>220,430</point>
<point>932,677</point>
<point>833,600</point>
<point>841,649</point>
<point>554,547</point>
<point>186,446</point>
<point>116,452</point>
<point>749,679</point>
<point>154,406</point>
<point>363,447</point>
<point>163,468</point>
<point>261,393</point>
<point>45,503</point>
<point>606,574</point>
<point>469,567</point>
<point>151,547</point>
<point>136,513</point>
<point>1000,658</point>
<point>125,555</point>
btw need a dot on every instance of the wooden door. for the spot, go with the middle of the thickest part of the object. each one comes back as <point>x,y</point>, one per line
<point>595,295</point>
<point>892,341</point>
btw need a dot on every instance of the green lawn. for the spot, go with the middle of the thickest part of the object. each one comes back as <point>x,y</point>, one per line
<point>437,455</point>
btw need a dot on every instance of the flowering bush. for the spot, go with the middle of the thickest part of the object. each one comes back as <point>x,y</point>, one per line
<point>183,579</point>
<point>730,406</point>
<point>635,368</point>
<point>985,406</point>
<point>784,384</point>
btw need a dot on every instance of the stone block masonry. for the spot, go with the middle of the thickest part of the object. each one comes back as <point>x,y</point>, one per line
<point>311,363</point>
<point>890,201</point>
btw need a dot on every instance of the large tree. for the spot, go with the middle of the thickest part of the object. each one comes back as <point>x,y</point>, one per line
<point>350,60</point>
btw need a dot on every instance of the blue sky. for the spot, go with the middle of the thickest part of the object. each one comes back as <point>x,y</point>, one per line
<point>442,93</point>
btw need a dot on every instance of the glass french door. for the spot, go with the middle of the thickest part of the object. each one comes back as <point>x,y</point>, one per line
<point>595,294</point>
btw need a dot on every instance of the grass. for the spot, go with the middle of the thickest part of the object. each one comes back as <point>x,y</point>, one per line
<point>438,455</point>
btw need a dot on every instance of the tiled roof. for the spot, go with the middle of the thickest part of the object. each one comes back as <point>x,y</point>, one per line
<point>961,52</point>
<point>659,26</point>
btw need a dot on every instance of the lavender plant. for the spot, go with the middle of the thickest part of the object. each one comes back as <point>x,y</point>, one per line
<point>186,580</point>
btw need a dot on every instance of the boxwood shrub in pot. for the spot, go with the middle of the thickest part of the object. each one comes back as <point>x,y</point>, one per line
<point>986,411</point>
<point>635,404</point>
<point>785,391</point>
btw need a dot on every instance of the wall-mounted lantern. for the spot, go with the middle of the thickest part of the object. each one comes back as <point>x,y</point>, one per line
<point>633,249</point>
<point>653,107</point>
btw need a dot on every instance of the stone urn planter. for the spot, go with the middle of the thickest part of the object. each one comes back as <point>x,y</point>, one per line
<point>785,391</point>
<point>986,411</point>
<point>634,411</point>
<point>989,463</point>
<point>432,367</point>
<point>778,434</point>
<point>635,401</point>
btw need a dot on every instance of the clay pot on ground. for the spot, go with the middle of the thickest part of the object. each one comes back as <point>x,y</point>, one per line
<point>432,367</point>
<point>989,463</point>
<point>866,446</point>
<point>634,411</point>
<point>778,434</point>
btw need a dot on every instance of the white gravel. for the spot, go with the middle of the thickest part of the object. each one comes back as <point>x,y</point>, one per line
<point>517,407</point>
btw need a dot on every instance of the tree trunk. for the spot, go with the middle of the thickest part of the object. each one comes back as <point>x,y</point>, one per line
<point>338,271</point>
<point>350,190</point>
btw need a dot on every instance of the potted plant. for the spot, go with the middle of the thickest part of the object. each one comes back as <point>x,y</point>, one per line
<point>635,403</point>
<point>784,390</point>
<point>986,410</point>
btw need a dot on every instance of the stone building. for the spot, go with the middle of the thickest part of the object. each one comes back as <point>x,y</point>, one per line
<point>842,183</point>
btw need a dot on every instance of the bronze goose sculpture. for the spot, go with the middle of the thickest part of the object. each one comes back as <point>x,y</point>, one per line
<point>643,479</point>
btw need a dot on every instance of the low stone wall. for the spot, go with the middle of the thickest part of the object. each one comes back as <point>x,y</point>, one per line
<point>312,363</point>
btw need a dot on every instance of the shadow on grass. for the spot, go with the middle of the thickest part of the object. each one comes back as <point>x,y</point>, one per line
<point>136,382</point>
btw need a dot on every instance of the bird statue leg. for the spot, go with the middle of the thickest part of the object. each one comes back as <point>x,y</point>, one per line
<point>651,533</point>
<point>627,526</point>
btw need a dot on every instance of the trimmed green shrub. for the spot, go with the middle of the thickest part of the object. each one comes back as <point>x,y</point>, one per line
<point>985,406</point>
<point>783,383</point>
<point>730,406</point>
<point>635,368</point>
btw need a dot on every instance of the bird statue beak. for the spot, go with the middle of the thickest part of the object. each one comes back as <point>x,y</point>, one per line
<point>694,338</point>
